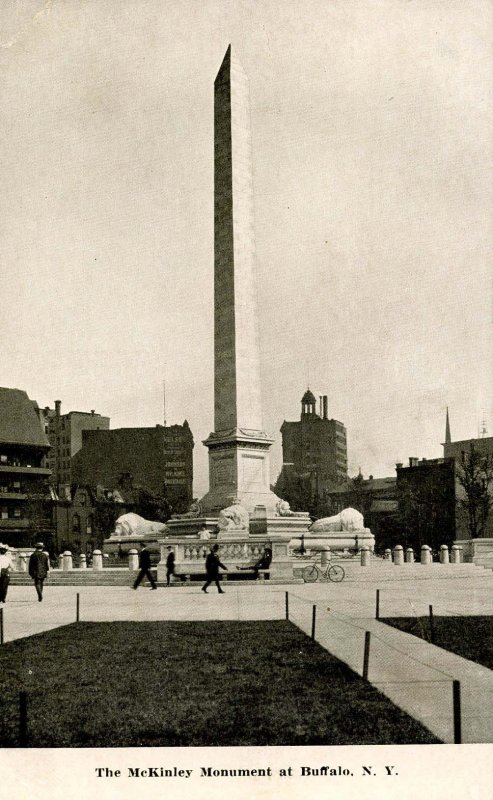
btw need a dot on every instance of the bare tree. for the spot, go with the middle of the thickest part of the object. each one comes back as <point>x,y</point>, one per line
<point>475,476</point>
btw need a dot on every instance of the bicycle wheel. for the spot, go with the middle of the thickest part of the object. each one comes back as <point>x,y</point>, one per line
<point>310,574</point>
<point>336,573</point>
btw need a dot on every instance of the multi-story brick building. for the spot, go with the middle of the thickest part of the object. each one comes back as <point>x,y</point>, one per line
<point>25,497</point>
<point>314,454</point>
<point>64,433</point>
<point>158,459</point>
<point>426,492</point>
<point>459,451</point>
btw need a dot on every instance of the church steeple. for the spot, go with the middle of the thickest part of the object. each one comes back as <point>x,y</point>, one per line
<point>448,438</point>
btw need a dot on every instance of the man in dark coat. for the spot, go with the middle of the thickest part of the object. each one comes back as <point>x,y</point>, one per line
<point>264,562</point>
<point>39,566</point>
<point>5,567</point>
<point>212,565</point>
<point>145,567</point>
<point>170,565</point>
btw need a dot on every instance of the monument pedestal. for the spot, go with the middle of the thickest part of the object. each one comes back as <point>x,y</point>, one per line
<point>239,469</point>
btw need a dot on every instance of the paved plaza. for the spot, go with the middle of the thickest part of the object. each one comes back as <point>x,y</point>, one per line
<point>414,674</point>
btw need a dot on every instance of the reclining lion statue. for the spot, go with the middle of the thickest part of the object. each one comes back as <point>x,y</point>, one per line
<point>347,520</point>
<point>233,517</point>
<point>133,525</point>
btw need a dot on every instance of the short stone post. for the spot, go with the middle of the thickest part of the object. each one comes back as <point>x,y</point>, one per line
<point>387,554</point>
<point>97,560</point>
<point>133,560</point>
<point>22,562</point>
<point>83,561</point>
<point>444,554</point>
<point>60,561</point>
<point>365,556</point>
<point>409,556</point>
<point>67,562</point>
<point>461,554</point>
<point>455,554</point>
<point>398,555</point>
<point>325,557</point>
<point>425,554</point>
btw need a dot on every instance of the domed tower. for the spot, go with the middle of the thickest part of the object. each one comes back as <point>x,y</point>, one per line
<point>308,403</point>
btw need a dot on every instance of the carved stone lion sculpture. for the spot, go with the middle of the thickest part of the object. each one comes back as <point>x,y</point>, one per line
<point>283,509</point>
<point>133,525</point>
<point>233,517</point>
<point>347,520</point>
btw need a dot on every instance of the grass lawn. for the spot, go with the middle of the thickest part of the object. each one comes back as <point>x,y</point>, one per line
<point>191,683</point>
<point>469,637</point>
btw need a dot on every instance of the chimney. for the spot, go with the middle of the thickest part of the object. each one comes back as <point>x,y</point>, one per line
<point>398,465</point>
<point>321,412</point>
<point>92,412</point>
<point>413,462</point>
<point>58,404</point>
<point>325,404</point>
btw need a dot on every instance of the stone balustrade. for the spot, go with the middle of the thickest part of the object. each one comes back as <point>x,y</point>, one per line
<point>190,554</point>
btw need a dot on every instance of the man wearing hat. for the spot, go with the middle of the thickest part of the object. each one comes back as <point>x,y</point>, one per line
<point>38,568</point>
<point>5,567</point>
<point>144,567</point>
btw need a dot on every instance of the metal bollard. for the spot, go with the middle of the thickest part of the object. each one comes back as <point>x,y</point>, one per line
<point>366,656</point>
<point>398,555</point>
<point>457,712</point>
<point>426,554</point>
<point>23,734</point>
<point>444,554</point>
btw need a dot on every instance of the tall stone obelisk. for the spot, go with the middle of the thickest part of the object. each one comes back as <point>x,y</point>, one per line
<point>238,447</point>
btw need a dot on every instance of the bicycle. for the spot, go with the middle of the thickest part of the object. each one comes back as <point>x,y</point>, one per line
<point>333,572</point>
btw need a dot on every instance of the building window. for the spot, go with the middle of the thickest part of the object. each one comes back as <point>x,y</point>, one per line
<point>89,524</point>
<point>17,486</point>
<point>82,498</point>
<point>75,523</point>
<point>3,459</point>
<point>5,512</point>
<point>17,513</point>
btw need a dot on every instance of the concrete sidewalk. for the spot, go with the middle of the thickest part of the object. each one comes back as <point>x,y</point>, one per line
<point>415,675</point>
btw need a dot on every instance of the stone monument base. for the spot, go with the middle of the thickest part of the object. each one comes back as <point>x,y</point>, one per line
<point>339,540</point>
<point>238,546</point>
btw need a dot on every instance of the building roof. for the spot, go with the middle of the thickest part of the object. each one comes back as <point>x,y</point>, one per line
<point>384,506</point>
<point>308,397</point>
<point>19,422</point>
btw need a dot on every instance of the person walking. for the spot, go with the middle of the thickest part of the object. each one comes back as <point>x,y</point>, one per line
<point>5,567</point>
<point>170,565</point>
<point>39,566</point>
<point>144,567</point>
<point>212,565</point>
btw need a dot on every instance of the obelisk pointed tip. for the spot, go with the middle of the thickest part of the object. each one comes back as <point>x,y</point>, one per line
<point>226,63</point>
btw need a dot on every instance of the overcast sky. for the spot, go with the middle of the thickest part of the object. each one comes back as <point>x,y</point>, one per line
<point>371,126</point>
